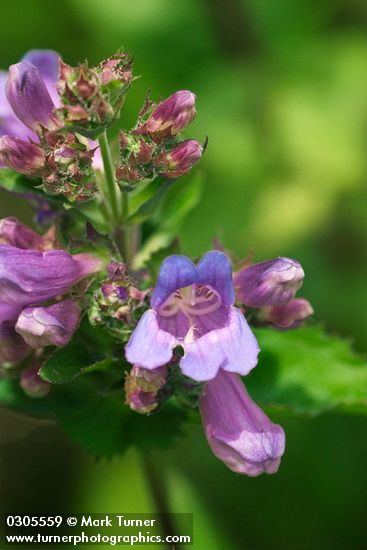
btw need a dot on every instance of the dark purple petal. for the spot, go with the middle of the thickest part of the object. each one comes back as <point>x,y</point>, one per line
<point>30,276</point>
<point>175,272</point>
<point>29,98</point>
<point>149,346</point>
<point>273,282</point>
<point>215,269</point>
<point>32,383</point>
<point>238,431</point>
<point>49,325</point>
<point>9,123</point>
<point>8,312</point>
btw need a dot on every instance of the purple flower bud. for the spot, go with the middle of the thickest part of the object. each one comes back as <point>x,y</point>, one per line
<point>290,314</point>
<point>13,349</point>
<point>142,386</point>
<point>22,156</point>
<point>17,234</point>
<point>269,283</point>
<point>172,115</point>
<point>32,383</point>
<point>50,325</point>
<point>29,98</point>
<point>180,160</point>
<point>238,431</point>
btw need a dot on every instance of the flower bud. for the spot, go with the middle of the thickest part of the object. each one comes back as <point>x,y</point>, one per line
<point>180,160</point>
<point>288,315</point>
<point>22,156</point>
<point>273,282</point>
<point>32,383</point>
<point>29,98</point>
<point>50,325</point>
<point>238,431</point>
<point>142,387</point>
<point>170,116</point>
<point>13,349</point>
<point>92,97</point>
<point>17,234</point>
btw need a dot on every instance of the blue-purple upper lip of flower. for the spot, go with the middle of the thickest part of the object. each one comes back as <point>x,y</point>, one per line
<point>214,270</point>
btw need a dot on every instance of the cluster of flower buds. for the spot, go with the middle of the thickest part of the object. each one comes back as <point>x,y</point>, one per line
<point>271,287</point>
<point>152,148</point>
<point>62,160</point>
<point>92,96</point>
<point>118,302</point>
<point>142,388</point>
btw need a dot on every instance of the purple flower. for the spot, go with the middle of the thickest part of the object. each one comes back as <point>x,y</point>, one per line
<point>32,383</point>
<point>180,160</point>
<point>49,325</point>
<point>30,276</point>
<point>238,431</point>
<point>21,236</point>
<point>290,314</point>
<point>192,307</point>
<point>29,98</point>
<point>171,115</point>
<point>22,156</point>
<point>273,282</point>
<point>13,348</point>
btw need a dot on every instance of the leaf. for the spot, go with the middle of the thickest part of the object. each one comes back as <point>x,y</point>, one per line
<point>160,186</point>
<point>86,352</point>
<point>100,423</point>
<point>307,371</point>
<point>15,182</point>
<point>180,201</point>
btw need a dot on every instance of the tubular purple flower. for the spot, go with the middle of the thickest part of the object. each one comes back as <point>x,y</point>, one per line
<point>238,431</point>
<point>22,156</point>
<point>21,236</point>
<point>32,383</point>
<point>49,325</point>
<point>171,115</point>
<point>13,349</point>
<point>192,307</point>
<point>29,97</point>
<point>30,276</point>
<point>290,314</point>
<point>180,160</point>
<point>273,282</point>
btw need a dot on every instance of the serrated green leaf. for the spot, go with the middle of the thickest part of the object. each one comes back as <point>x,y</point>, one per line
<point>87,351</point>
<point>309,372</point>
<point>15,182</point>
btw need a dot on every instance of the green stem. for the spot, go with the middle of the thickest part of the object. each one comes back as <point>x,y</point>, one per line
<point>109,176</point>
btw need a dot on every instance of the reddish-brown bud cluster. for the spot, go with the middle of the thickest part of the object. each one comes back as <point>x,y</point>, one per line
<point>92,96</point>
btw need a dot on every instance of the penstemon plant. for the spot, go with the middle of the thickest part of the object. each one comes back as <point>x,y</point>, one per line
<point>103,320</point>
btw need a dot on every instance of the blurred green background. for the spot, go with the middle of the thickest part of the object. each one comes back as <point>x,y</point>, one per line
<point>282,95</point>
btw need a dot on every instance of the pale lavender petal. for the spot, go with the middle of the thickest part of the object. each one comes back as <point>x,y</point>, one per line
<point>46,61</point>
<point>9,123</point>
<point>149,346</point>
<point>233,348</point>
<point>175,272</point>
<point>215,269</point>
<point>52,325</point>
